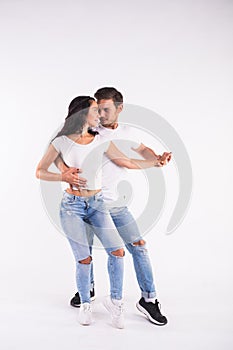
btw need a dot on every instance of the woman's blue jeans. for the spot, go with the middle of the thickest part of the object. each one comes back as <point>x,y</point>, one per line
<point>79,215</point>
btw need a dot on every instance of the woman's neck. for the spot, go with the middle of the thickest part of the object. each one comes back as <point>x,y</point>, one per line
<point>84,131</point>
<point>83,134</point>
<point>84,138</point>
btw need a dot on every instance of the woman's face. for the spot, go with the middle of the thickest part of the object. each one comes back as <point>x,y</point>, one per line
<point>93,115</point>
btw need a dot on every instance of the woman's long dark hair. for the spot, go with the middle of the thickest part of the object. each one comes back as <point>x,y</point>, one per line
<point>76,118</point>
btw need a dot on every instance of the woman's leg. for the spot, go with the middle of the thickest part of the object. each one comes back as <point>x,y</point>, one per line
<point>71,215</point>
<point>83,270</point>
<point>90,237</point>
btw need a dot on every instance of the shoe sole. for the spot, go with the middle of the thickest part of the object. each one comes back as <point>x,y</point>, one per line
<point>78,305</point>
<point>87,323</point>
<point>146,313</point>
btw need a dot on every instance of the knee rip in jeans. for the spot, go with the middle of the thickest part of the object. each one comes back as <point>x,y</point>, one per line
<point>139,243</point>
<point>86,261</point>
<point>119,252</point>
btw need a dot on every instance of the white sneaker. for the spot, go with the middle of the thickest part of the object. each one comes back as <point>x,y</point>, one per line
<point>85,314</point>
<point>115,307</point>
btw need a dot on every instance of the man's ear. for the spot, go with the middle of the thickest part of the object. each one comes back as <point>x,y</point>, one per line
<point>120,108</point>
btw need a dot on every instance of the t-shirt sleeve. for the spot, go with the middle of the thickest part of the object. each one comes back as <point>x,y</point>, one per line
<point>106,145</point>
<point>131,140</point>
<point>103,143</point>
<point>137,136</point>
<point>57,144</point>
<point>146,138</point>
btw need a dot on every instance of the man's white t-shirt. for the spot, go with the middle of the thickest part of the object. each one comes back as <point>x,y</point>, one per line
<point>124,137</point>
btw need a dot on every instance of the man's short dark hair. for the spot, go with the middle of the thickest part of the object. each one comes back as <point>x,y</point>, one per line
<point>108,93</point>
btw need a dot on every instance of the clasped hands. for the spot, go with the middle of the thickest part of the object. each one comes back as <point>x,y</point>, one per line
<point>164,159</point>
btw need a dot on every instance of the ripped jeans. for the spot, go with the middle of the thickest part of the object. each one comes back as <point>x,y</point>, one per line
<point>79,213</point>
<point>129,232</point>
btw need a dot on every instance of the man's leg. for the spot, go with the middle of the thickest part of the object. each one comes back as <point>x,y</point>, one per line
<point>129,232</point>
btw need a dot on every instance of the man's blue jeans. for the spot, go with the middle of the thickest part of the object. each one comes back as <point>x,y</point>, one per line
<point>77,215</point>
<point>129,232</point>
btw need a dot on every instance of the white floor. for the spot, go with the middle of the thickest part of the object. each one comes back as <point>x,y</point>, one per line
<point>193,280</point>
<point>34,318</point>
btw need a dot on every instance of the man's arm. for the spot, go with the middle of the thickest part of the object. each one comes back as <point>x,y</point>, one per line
<point>148,154</point>
<point>122,160</point>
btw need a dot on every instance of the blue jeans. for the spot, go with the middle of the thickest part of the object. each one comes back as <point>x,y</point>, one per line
<point>129,232</point>
<point>78,215</point>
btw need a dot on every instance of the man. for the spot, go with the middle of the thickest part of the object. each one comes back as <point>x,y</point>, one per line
<point>110,103</point>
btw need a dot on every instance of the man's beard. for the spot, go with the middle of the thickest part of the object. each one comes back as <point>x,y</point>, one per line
<point>107,123</point>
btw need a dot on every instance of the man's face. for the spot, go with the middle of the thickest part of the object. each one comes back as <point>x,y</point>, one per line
<point>109,112</point>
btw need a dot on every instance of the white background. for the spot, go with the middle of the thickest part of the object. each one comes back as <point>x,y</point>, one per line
<point>174,57</point>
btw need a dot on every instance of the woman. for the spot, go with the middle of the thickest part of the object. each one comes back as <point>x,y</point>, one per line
<point>80,147</point>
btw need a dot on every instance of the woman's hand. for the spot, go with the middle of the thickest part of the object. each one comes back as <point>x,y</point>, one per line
<point>164,159</point>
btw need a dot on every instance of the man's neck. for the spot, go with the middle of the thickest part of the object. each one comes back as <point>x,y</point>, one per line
<point>112,126</point>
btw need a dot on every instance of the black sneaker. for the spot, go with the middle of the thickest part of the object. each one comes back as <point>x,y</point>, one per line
<point>152,311</point>
<point>76,301</point>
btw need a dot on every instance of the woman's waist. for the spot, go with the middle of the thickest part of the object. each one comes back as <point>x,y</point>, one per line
<point>82,192</point>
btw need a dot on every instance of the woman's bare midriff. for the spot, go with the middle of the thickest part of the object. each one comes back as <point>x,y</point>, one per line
<point>82,193</point>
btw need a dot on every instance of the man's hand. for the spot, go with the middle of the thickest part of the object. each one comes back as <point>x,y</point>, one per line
<point>71,177</point>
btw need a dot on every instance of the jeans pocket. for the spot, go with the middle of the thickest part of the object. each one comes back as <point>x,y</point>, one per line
<point>68,199</point>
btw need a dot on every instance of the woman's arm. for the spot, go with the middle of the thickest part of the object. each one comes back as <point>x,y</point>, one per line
<point>42,168</point>
<point>122,160</point>
<point>60,164</point>
<point>76,178</point>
